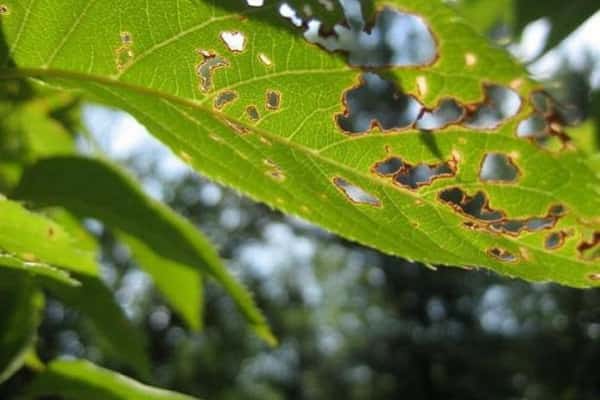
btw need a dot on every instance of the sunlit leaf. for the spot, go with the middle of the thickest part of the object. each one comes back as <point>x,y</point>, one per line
<point>91,188</point>
<point>263,115</point>
<point>78,379</point>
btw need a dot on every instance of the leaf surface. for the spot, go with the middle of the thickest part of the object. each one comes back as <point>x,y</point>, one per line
<point>264,120</point>
<point>170,248</point>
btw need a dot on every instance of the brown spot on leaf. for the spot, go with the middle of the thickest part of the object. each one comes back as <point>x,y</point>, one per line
<point>210,62</point>
<point>252,113</point>
<point>274,171</point>
<point>124,54</point>
<point>555,240</point>
<point>354,193</point>
<point>50,232</point>
<point>224,98</point>
<point>237,127</point>
<point>502,255</point>
<point>273,101</point>
<point>4,10</point>
<point>590,250</point>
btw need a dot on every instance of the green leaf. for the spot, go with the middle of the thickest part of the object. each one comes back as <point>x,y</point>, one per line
<point>181,285</point>
<point>116,333</point>
<point>21,305</point>
<point>91,188</point>
<point>37,268</point>
<point>278,140</point>
<point>31,238</point>
<point>78,379</point>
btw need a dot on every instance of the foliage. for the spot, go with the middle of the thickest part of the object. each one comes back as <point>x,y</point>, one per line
<point>238,93</point>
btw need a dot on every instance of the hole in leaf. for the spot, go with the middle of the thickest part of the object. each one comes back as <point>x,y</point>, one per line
<point>500,104</point>
<point>449,112</point>
<point>253,113</point>
<point>394,39</point>
<point>590,250</point>
<point>355,193</point>
<point>545,126</point>
<point>273,100</point>
<point>555,240</point>
<point>502,255</point>
<point>477,207</point>
<point>414,176</point>
<point>497,167</point>
<point>235,41</point>
<point>377,102</point>
<point>204,70</point>
<point>255,3</point>
<point>4,10</point>
<point>224,98</point>
<point>594,277</point>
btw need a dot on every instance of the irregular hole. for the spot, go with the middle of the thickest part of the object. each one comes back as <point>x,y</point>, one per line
<point>500,104</point>
<point>274,171</point>
<point>377,102</point>
<point>204,70</point>
<point>449,112</point>
<point>4,10</point>
<point>286,11</point>
<point>124,54</point>
<point>502,254</point>
<point>235,41</point>
<point>414,176</point>
<point>253,113</point>
<point>555,240</point>
<point>388,167</point>
<point>224,98</point>
<point>394,39</point>
<point>355,193</point>
<point>263,58</point>
<point>590,250</point>
<point>545,126</point>
<point>497,167</point>
<point>476,206</point>
<point>273,100</point>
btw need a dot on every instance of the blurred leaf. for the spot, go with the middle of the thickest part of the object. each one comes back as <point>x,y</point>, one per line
<point>117,334</point>
<point>37,268</point>
<point>91,188</point>
<point>181,285</point>
<point>565,16</point>
<point>78,380</point>
<point>30,237</point>
<point>21,304</point>
<point>263,117</point>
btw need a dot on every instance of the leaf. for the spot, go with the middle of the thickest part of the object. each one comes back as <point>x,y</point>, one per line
<point>91,188</point>
<point>21,304</point>
<point>265,121</point>
<point>118,335</point>
<point>37,268</point>
<point>27,237</point>
<point>79,379</point>
<point>181,285</point>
